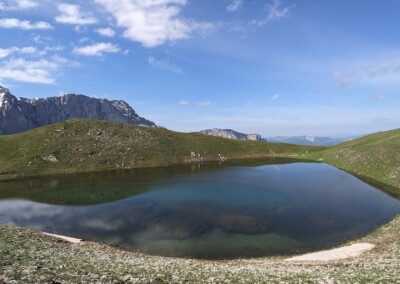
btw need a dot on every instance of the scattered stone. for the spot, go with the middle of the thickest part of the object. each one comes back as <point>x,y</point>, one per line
<point>50,158</point>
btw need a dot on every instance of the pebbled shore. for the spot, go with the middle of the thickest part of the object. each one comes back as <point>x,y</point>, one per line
<point>28,256</point>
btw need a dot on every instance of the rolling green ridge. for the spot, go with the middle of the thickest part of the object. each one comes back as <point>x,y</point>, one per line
<point>90,145</point>
<point>375,156</point>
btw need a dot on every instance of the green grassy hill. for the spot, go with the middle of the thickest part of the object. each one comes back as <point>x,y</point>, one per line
<point>90,145</point>
<point>375,156</point>
<point>83,145</point>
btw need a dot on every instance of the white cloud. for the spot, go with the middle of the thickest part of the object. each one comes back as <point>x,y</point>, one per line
<point>150,22</point>
<point>382,72</point>
<point>161,64</point>
<point>83,40</point>
<point>17,5</point>
<point>71,15</point>
<point>29,50</point>
<point>97,49</point>
<point>184,103</point>
<point>274,12</point>
<point>203,27</point>
<point>107,32</point>
<point>40,39</point>
<point>32,71</point>
<point>12,23</point>
<point>204,104</point>
<point>275,97</point>
<point>234,6</point>
<point>4,52</point>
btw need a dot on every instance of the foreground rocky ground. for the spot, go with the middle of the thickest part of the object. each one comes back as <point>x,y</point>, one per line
<point>28,256</point>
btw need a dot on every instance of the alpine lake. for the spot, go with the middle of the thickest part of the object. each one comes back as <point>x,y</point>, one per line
<point>209,211</point>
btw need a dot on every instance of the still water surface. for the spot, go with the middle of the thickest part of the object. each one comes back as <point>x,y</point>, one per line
<point>207,211</point>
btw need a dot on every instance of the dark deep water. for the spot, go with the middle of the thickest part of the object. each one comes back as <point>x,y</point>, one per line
<point>207,211</point>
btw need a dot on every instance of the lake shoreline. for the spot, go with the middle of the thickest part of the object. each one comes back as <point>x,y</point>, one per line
<point>338,252</point>
<point>30,256</point>
<point>212,213</point>
<point>288,158</point>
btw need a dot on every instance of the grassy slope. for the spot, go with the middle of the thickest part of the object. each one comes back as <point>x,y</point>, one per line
<point>375,156</point>
<point>28,256</point>
<point>88,145</point>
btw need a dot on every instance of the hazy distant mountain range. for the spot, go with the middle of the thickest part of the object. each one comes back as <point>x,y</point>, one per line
<point>299,140</point>
<point>231,134</point>
<point>20,114</point>
<point>308,140</point>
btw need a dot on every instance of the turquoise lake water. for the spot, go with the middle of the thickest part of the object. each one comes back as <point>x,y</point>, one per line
<point>204,211</point>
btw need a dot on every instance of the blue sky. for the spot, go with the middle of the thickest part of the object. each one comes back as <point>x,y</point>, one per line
<point>274,67</point>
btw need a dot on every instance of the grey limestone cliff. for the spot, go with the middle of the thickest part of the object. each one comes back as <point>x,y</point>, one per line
<point>20,114</point>
<point>231,134</point>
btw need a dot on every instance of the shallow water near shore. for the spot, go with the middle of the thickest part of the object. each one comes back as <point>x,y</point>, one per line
<point>210,211</point>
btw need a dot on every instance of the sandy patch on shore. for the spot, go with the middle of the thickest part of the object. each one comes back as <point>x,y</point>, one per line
<point>65,238</point>
<point>335,254</point>
<point>345,252</point>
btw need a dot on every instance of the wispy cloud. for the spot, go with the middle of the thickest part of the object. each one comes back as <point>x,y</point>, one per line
<point>163,64</point>
<point>13,23</point>
<point>40,39</point>
<point>43,71</point>
<point>184,103</point>
<point>381,98</point>
<point>378,95</point>
<point>71,14</point>
<point>106,32</point>
<point>381,120</point>
<point>204,104</point>
<point>17,5</point>
<point>275,11</point>
<point>97,49</point>
<point>275,97</point>
<point>373,73</point>
<point>4,52</point>
<point>234,6</point>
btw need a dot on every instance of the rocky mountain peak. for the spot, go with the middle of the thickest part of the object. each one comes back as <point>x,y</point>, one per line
<point>232,134</point>
<point>3,90</point>
<point>19,114</point>
<point>5,99</point>
<point>4,93</point>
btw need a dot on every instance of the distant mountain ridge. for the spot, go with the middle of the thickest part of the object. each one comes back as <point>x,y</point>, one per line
<point>308,140</point>
<point>20,114</point>
<point>232,134</point>
<point>296,140</point>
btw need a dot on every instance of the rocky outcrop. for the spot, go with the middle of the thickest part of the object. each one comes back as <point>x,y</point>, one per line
<point>231,134</point>
<point>19,114</point>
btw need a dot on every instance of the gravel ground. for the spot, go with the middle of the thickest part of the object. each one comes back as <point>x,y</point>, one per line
<point>28,256</point>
